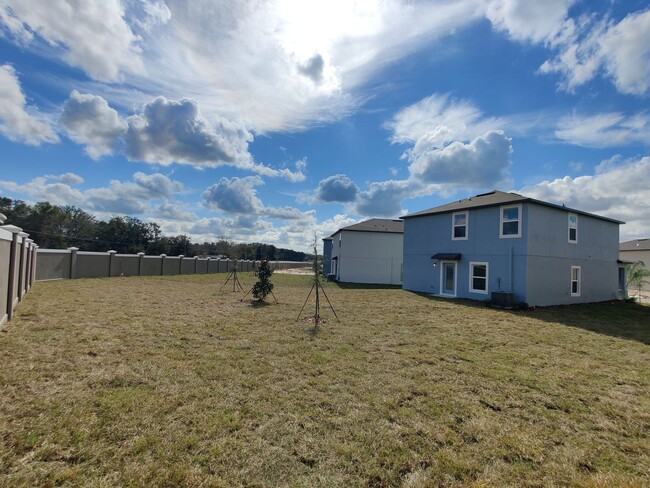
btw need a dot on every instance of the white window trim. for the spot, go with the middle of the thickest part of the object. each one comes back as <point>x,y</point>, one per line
<point>471,276</point>
<point>442,277</point>
<point>579,280</point>
<point>569,228</point>
<point>501,221</point>
<point>453,226</point>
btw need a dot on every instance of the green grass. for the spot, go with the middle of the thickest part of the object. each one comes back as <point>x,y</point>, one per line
<point>167,381</point>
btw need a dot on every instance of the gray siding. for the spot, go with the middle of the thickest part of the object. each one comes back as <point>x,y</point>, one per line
<point>551,256</point>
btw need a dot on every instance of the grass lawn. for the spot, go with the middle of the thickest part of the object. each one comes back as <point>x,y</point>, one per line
<point>168,381</point>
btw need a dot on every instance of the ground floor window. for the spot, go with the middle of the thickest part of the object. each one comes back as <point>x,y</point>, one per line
<point>478,277</point>
<point>575,281</point>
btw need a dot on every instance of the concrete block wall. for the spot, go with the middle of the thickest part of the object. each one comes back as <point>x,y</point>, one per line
<point>72,263</point>
<point>17,267</point>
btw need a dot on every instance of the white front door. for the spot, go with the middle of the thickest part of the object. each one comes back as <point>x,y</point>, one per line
<point>448,278</point>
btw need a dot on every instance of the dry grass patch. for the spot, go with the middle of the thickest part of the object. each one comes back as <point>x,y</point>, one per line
<point>168,381</point>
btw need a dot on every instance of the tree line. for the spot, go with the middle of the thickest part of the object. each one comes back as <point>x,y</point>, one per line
<point>60,227</point>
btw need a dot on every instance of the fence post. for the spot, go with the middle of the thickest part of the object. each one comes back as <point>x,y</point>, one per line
<point>111,255</point>
<point>196,264</point>
<point>32,277</point>
<point>28,267</point>
<point>162,264</point>
<point>21,265</point>
<point>11,291</point>
<point>140,259</point>
<point>72,273</point>
<point>180,264</point>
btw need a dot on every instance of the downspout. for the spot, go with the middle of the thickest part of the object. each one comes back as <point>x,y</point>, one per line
<point>510,270</point>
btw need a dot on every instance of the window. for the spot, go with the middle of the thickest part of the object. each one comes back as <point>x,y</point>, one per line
<point>478,277</point>
<point>459,226</point>
<point>510,221</point>
<point>575,281</point>
<point>573,228</point>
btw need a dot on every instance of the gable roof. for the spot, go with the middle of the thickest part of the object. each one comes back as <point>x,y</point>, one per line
<point>496,198</point>
<point>376,225</point>
<point>635,245</point>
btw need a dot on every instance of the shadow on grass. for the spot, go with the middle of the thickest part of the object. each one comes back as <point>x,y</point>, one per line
<point>620,319</point>
<point>260,303</point>
<point>365,286</point>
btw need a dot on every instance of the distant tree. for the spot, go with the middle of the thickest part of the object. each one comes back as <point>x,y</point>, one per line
<point>44,223</point>
<point>637,275</point>
<point>79,228</point>
<point>129,235</point>
<point>178,245</point>
<point>263,287</point>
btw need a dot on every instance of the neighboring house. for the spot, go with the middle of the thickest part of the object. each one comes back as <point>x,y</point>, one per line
<point>523,249</point>
<point>327,255</point>
<point>367,252</point>
<point>636,250</point>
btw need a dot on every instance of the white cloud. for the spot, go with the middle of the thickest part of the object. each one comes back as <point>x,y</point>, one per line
<point>67,178</point>
<point>18,121</point>
<point>56,189</point>
<point>165,132</point>
<point>439,119</point>
<point>236,195</point>
<point>610,129</point>
<point>626,52</point>
<point>383,199</point>
<point>170,131</point>
<point>620,50</point>
<point>481,163</point>
<point>89,34</point>
<point>288,213</point>
<point>336,188</point>
<point>239,196</point>
<point>523,20</point>
<point>132,197</point>
<point>169,210</point>
<point>89,120</point>
<point>119,197</point>
<point>285,65</point>
<point>619,189</point>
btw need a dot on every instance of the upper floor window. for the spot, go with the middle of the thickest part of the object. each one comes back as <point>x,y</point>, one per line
<point>459,226</point>
<point>575,281</point>
<point>510,221</point>
<point>573,228</point>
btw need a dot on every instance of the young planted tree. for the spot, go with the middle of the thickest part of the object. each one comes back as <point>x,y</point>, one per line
<point>263,287</point>
<point>317,268</point>
<point>637,276</point>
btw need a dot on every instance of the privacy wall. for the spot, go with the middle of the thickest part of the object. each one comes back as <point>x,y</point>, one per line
<point>17,267</point>
<point>56,264</point>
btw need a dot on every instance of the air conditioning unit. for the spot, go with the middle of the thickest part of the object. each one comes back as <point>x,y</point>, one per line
<point>503,299</point>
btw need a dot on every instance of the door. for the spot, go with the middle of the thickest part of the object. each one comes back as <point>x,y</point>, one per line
<point>448,278</point>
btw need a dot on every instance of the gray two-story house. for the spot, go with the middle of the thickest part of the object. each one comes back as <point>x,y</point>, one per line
<point>523,249</point>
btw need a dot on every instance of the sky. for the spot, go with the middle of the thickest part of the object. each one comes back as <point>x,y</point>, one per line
<point>284,121</point>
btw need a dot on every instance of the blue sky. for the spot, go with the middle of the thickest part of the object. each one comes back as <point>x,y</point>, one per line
<point>280,121</point>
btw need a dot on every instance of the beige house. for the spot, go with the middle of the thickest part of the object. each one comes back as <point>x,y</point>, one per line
<point>636,250</point>
<point>368,252</point>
